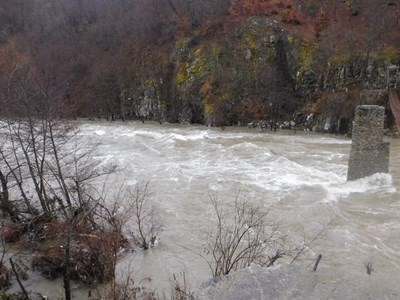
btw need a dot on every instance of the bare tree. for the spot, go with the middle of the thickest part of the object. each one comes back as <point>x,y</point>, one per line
<point>113,217</point>
<point>127,211</point>
<point>131,209</point>
<point>145,215</point>
<point>42,151</point>
<point>241,235</point>
<point>47,173</point>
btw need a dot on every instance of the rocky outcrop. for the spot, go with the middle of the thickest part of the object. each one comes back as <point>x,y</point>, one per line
<point>295,282</point>
<point>258,69</point>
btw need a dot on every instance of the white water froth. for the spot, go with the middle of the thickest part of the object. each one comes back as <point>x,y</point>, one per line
<point>246,159</point>
<point>379,182</point>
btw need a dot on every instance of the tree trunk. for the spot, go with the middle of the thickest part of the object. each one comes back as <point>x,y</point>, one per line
<point>7,207</point>
<point>60,174</point>
<point>67,284</point>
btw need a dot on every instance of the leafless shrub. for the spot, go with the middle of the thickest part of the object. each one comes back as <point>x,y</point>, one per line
<point>127,212</point>
<point>126,288</point>
<point>180,288</point>
<point>145,219</point>
<point>241,235</point>
<point>112,213</point>
<point>132,210</point>
<point>90,258</point>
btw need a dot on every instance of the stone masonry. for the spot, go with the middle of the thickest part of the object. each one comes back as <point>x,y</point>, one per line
<point>369,154</point>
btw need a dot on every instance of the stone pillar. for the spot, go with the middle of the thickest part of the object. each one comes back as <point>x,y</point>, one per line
<point>369,154</point>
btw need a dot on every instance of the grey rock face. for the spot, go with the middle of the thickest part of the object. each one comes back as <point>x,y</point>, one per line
<point>295,282</point>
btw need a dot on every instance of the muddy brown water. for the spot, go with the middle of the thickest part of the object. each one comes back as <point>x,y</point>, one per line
<point>300,177</point>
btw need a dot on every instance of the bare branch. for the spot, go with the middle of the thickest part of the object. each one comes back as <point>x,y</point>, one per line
<point>369,267</point>
<point>241,236</point>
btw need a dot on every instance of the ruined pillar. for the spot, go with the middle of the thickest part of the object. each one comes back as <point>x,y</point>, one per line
<point>369,154</point>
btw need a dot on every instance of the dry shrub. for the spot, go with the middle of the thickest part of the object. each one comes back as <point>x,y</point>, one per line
<point>91,262</point>
<point>11,233</point>
<point>127,289</point>
<point>52,229</point>
<point>35,226</point>
<point>181,289</point>
<point>50,262</point>
<point>242,235</point>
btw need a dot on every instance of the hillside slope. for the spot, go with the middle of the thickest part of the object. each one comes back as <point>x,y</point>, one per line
<point>212,62</point>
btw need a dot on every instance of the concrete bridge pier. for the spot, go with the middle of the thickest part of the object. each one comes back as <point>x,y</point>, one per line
<point>369,154</point>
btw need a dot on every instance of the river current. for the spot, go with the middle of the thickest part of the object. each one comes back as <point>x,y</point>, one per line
<point>299,177</point>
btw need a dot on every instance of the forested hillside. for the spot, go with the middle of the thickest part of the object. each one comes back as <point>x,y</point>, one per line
<point>206,61</point>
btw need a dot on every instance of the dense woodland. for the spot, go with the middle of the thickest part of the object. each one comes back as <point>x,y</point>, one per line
<point>211,62</point>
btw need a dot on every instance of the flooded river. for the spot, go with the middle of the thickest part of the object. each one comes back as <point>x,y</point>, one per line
<point>300,177</point>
